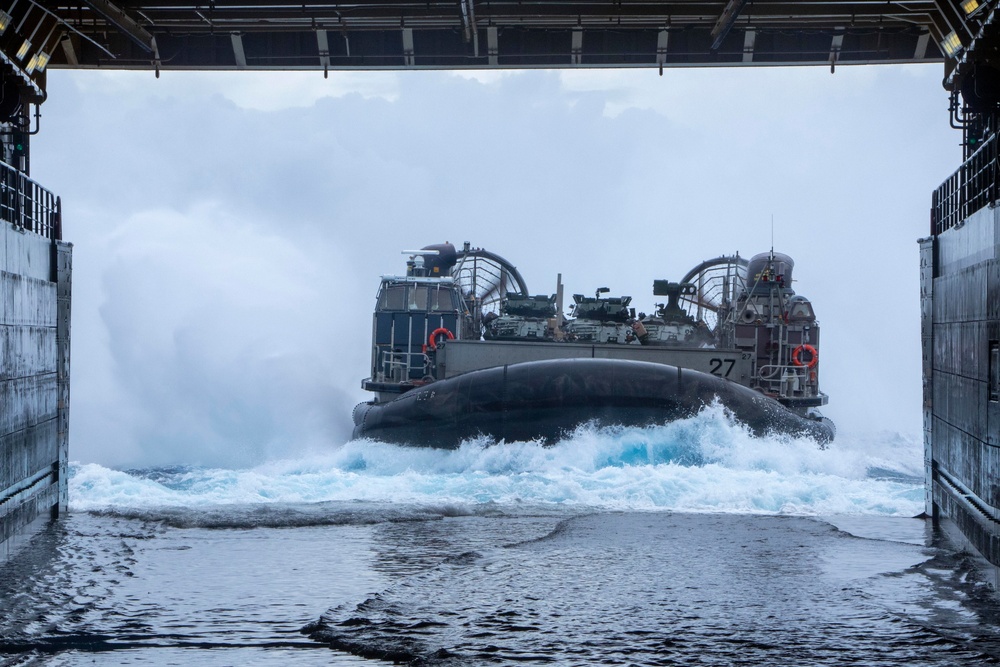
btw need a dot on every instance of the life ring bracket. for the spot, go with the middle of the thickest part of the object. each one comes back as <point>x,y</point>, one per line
<point>813,356</point>
<point>440,331</point>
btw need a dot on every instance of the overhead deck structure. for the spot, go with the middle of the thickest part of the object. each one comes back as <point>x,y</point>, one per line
<point>401,34</point>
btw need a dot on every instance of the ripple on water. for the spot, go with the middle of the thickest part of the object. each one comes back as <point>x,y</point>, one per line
<point>660,589</point>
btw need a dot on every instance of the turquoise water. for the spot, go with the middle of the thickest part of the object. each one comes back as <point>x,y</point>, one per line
<point>703,464</point>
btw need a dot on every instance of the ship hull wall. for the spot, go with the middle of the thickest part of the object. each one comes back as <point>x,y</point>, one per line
<point>35,290</point>
<point>960,312</point>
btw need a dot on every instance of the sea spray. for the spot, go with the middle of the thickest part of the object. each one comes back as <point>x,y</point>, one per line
<point>704,464</point>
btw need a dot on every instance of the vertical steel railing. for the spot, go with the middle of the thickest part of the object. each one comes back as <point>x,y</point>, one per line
<point>27,205</point>
<point>972,187</point>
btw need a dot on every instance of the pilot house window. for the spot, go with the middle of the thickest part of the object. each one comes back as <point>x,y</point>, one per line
<point>418,298</point>
<point>441,300</point>
<point>994,370</point>
<point>393,298</point>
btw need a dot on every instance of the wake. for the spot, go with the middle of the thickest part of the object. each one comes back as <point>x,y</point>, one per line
<point>706,463</point>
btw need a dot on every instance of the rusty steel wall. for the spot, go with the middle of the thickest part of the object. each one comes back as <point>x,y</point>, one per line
<point>35,288</point>
<point>960,306</point>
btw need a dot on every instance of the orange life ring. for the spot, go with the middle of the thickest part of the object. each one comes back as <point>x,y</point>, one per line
<point>814,359</point>
<point>440,331</point>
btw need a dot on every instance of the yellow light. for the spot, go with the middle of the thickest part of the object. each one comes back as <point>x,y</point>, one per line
<point>4,21</point>
<point>43,60</point>
<point>951,44</point>
<point>970,7</point>
<point>23,51</point>
<point>32,64</point>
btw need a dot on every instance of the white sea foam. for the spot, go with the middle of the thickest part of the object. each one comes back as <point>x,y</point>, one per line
<point>703,464</point>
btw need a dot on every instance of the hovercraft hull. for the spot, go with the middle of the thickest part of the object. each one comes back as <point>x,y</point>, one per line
<point>546,399</point>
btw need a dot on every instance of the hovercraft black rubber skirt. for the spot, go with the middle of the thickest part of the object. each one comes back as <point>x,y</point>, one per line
<point>546,399</point>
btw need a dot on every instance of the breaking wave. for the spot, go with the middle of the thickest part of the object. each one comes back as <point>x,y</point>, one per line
<point>703,464</point>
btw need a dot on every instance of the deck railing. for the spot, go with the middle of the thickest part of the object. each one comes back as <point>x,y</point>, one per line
<point>969,189</point>
<point>27,205</point>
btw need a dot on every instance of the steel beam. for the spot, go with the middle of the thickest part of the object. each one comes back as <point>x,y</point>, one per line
<point>749,39</point>
<point>238,53</point>
<point>725,22</point>
<point>124,23</point>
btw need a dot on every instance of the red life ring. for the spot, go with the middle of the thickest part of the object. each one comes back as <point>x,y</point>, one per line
<point>814,358</point>
<point>440,331</point>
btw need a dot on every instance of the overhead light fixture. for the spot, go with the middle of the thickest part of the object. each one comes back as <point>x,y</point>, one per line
<point>951,44</point>
<point>970,7</point>
<point>32,64</point>
<point>5,17</point>
<point>43,51</point>
<point>26,44</point>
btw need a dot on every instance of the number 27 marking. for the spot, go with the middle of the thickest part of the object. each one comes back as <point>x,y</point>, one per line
<point>717,365</point>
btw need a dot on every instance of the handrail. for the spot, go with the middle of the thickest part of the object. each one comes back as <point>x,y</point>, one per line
<point>788,381</point>
<point>27,205</point>
<point>770,371</point>
<point>397,366</point>
<point>972,187</point>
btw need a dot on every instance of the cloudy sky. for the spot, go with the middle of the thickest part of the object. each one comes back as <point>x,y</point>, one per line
<point>229,229</point>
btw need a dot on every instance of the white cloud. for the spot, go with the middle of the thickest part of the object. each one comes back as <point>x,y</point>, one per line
<point>484,76</point>
<point>258,91</point>
<point>697,95</point>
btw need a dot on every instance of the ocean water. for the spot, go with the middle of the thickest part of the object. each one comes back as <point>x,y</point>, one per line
<point>691,543</point>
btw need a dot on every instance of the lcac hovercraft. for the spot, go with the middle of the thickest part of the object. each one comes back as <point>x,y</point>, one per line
<point>461,349</point>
